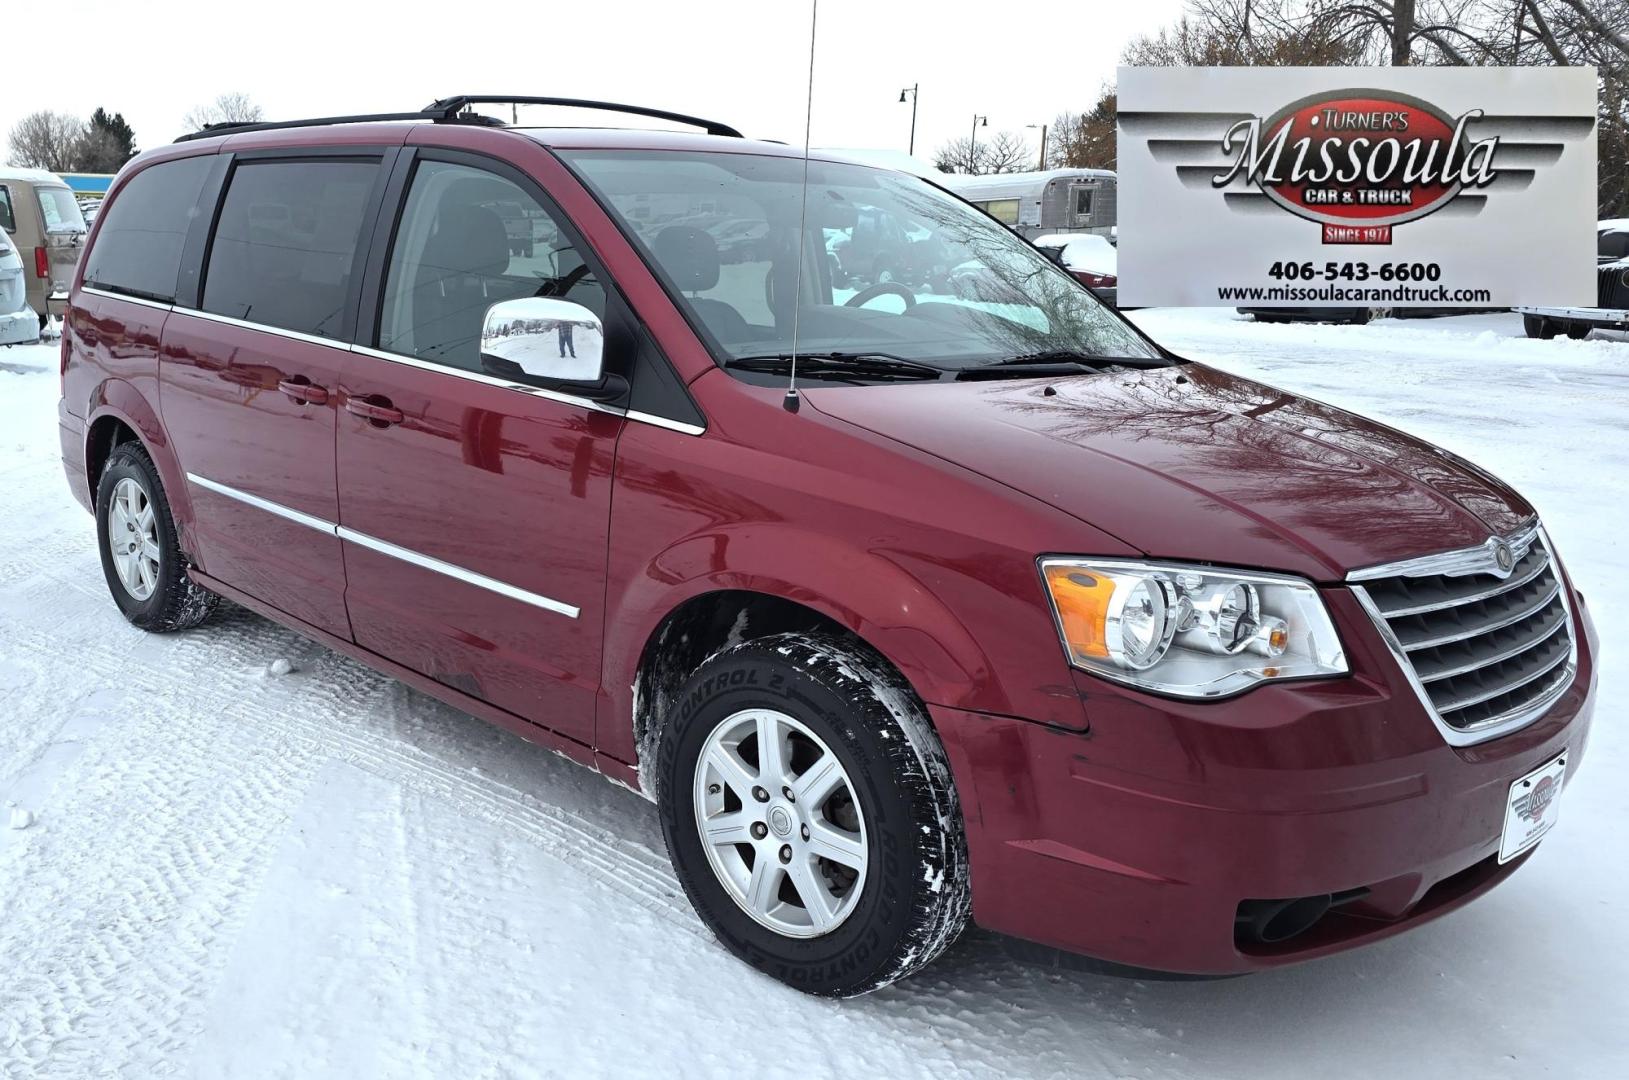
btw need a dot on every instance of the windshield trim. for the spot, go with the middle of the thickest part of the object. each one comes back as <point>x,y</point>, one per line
<point>716,350</point>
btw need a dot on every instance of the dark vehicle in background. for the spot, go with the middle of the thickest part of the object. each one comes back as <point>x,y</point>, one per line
<point>1611,310</point>
<point>1354,316</point>
<point>1012,616</point>
<point>40,214</point>
<point>1090,259</point>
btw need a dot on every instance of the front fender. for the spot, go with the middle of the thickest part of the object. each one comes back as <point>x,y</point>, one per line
<point>867,592</point>
<point>880,595</point>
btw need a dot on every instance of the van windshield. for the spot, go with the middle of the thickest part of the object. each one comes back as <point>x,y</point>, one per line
<point>892,265</point>
<point>60,211</point>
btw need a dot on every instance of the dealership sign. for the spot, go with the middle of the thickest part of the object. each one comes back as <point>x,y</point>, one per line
<point>1357,187</point>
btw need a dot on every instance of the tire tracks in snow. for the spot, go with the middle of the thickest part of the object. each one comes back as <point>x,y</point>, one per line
<point>238,756</point>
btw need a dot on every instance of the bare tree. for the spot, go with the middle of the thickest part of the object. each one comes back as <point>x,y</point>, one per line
<point>233,108</point>
<point>960,156</point>
<point>47,140</point>
<point>1005,152</point>
<point>1247,33</point>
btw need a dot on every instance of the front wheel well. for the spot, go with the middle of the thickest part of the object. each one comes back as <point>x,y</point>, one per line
<point>694,631</point>
<point>106,433</point>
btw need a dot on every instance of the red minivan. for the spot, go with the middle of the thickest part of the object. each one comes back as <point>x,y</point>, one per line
<point>1004,613</point>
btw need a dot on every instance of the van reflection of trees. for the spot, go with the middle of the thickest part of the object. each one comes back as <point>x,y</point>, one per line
<point>1241,434</point>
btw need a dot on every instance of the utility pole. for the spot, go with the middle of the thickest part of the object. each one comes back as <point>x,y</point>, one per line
<point>1043,143</point>
<point>912,90</point>
<point>973,144</point>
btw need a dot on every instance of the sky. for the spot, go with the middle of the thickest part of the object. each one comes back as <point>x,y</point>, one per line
<point>1019,62</point>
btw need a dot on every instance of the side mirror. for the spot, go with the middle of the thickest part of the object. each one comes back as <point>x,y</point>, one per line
<point>548,340</point>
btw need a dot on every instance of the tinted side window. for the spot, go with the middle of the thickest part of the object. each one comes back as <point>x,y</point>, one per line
<point>468,239</point>
<point>1614,245</point>
<point>138,250</point>
<point>8,220</point>
<point>284,249</point>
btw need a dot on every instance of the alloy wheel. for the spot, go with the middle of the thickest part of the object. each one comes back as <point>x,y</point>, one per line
<point>132,538</point>
<point>780,822</point>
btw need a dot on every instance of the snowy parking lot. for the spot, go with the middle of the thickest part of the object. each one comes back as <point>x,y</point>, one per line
<point>213,870</point>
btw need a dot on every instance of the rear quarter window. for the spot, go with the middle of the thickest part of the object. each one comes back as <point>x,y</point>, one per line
<point>284,247</point>
<point>138,250</point>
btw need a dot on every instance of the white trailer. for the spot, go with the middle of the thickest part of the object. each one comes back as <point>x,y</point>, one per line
<point>1054,201</point>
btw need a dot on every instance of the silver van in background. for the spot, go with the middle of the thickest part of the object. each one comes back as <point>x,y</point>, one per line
<point>18,323</point>
<point>41,218</point>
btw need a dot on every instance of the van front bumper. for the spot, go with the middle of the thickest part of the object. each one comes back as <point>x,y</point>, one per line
<point>1137,840</point>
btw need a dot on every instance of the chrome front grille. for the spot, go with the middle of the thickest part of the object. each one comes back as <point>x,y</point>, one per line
<point>1484,634</point>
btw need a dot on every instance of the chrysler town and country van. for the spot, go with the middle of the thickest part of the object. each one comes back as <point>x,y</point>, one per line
<point>994,609</point>
<point>42,218</point>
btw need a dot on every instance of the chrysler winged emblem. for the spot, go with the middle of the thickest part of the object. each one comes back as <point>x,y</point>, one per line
<point>1502,557</point>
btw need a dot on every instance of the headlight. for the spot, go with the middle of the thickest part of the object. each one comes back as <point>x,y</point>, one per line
<point>1192,631</point>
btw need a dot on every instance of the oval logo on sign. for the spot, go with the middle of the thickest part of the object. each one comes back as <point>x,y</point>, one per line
<point>1359,157</point>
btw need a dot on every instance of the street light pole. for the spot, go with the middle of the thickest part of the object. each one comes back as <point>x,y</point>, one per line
<point>912,90</point>
<point>973,143</point>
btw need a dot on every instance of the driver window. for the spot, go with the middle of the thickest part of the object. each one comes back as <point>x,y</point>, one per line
<point>467,240</point>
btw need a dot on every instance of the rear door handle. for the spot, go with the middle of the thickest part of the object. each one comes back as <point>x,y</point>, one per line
<point>303,389</point>
<point>379,409</point>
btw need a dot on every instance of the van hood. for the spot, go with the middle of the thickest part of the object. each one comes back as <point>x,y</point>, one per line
<point>1191,463</point>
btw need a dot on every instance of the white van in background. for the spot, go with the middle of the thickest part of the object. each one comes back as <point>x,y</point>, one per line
<point>18,323</point>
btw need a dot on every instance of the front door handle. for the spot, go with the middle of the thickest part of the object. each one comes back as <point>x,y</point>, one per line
<point>303,389</point>
<point>375,407</point>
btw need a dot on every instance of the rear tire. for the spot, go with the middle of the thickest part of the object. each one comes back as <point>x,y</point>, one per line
<point>839,714</point>
<point>1578,331</point>
<point>146,569</point>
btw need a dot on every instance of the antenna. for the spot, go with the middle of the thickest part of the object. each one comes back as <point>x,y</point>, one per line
<point>792,401</point>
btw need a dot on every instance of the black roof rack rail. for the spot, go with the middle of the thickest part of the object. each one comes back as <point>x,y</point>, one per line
<point>456,110</point>
<point>452,107</point>
<point>211,130</point>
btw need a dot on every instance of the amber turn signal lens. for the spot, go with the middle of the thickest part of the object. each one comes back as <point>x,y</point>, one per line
<point>1082,600</point>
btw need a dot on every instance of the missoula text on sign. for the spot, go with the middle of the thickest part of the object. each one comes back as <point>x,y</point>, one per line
<point>1357,187</point>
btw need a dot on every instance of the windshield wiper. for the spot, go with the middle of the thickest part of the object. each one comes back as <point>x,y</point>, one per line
<point>838,365</point>
<point>1056,362</point>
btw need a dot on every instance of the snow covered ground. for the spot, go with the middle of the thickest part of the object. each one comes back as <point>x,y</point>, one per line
<point>230,873</point>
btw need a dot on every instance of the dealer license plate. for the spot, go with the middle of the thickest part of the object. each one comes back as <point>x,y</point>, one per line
<point>1531,810</point>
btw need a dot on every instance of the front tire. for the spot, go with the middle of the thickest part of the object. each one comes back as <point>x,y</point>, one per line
<point>1537,326</point>
<point>142,560</point>
<point>836,861</point>
<point>1578,331</point>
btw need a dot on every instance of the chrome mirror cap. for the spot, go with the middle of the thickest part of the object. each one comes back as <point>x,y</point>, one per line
<point>543,338</point>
